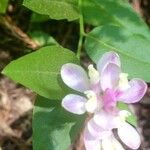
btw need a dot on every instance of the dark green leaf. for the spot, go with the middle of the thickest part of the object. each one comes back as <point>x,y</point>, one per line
<point>40,70</point>
<point>42,38</point>
<point>133,49</point>
<point>56,9</point>
<point>37,18</point>
<point>53,127</point>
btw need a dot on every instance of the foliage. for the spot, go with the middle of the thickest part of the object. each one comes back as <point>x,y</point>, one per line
<point>42,39</point>
<point>132,47</point>
<point>3,6</point>
<point>51,123</point>
<point>119,12</point>
<point>54,8</point>
<point>40,70</point>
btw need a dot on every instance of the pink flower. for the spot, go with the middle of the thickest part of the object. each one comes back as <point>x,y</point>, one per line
<point>100,90</point>
<point>115,85</point>
<point>89,84</point>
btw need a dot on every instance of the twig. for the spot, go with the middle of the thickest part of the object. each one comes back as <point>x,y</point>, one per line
<point>81,25</point>
<point>66,36</point>
<point>17,32</point>
<point>79,143</point>
<point>137,7</point>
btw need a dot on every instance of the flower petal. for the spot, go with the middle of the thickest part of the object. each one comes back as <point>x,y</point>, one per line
<point>102,119</point>
<point>136,91</point>
<point>74,103</point>
<point>75,77</point>
<point>110,76</point>
<point>109,100</point>
<point>111,143</point>
<point>97,131</point>
<point>89,142</point>
<point>117,145</point>
<point>108,57</point>
<point>129,136</point>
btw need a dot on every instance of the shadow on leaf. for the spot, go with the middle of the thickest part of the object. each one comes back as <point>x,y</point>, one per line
<point>53,127</point>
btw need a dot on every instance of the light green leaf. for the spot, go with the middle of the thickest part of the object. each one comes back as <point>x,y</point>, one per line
<point>132,118</point>
<point>118,12</point>
<point>3,6</point>
<point>40,71</point>
<point>56,9</point>
<point>53,127</point>
<point>133,49</point>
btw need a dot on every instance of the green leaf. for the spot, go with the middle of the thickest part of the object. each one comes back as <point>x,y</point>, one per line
<point>37,18</point>
<point>133,49</point>
<point>3,6</point>
<point>42,38</point>
<point>53,127</point>
<point>56,9</point>
<point>40,71</point>
<point>132,118</point>
<point>118,12</point>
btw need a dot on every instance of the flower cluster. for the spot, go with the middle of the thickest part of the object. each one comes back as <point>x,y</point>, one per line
<point>100,90</point>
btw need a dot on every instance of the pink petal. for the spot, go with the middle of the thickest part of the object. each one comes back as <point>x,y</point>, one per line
<point>110,76</point>
<point>136,91</point>
<point>75,77</point>
<point>109,100</point>
<point>108,57</point>
<point>89,142</point>
<point>74,103</point>
<point>129,136</point>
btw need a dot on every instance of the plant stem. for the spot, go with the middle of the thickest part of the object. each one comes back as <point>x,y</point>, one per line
<point>81,26</point>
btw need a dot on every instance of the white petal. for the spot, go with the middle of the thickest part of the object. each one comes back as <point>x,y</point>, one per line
<point>97,131</point>
<point>107,144</point>
<point>136,91</point>
<point>117,145</point>
<point>102,119</point>
<point>89,142</point>
<point>110,76</point>
<point>108,57</point>
<point>111,143</point>
<point>74,103</point>
<point>75,77</point>
<point>129,136</point>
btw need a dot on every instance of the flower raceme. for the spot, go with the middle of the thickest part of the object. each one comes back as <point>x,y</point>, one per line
<point>102,88</point>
